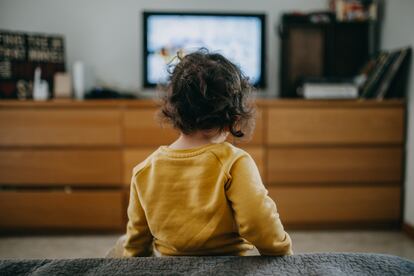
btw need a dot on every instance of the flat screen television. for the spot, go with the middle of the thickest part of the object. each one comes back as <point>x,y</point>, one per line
<point>239,37</point>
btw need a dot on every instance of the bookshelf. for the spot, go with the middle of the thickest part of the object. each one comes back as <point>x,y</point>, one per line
<point>322,49</point>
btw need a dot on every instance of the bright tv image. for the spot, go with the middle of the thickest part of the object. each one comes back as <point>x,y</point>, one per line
<point>239,37</point>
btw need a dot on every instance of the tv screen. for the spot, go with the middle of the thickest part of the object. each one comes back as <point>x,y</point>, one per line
<point>239,37</point>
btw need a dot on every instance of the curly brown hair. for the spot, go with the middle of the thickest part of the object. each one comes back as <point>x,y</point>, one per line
<point>208,92</point>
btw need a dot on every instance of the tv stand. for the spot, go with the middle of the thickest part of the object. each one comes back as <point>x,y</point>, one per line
<point>328,164</point>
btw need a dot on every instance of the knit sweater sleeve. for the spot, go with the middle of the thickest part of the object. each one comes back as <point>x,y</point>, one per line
<point>254,211</point>
<point>138,236</point>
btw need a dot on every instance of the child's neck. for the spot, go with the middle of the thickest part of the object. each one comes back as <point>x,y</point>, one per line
<point>197,139</point>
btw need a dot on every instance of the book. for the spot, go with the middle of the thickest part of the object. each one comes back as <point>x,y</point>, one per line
<point>379,75</point>
<point>392,72</point>
<point>329,88</point>
<point>385,60</point>
<point>330,91</point>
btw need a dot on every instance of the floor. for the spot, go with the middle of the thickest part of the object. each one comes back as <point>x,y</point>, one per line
<point>90,246</point>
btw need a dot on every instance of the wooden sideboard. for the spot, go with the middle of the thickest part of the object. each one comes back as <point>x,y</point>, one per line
<point>66,165</point>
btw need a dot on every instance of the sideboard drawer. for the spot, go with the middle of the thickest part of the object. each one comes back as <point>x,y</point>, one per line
<point>60,127</point>
<point>293,126</point>
<point>142,128</point>
<point>76,167</point>
<point>337,164</point>
<point>95,210</point>
<point>329,205</point>
<point>258,133</point>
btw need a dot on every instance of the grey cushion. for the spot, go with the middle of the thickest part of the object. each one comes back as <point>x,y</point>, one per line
<point>301,264</point>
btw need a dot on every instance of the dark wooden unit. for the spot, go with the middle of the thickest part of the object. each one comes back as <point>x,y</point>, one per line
<point>330,49</point>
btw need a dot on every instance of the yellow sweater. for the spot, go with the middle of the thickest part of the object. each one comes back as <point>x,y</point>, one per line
<point>203,201</point>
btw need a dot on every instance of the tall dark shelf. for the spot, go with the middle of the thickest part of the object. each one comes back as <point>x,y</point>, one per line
<point>332,49</point>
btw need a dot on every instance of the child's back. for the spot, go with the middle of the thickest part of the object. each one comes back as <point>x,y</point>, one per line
<point>201,195</point>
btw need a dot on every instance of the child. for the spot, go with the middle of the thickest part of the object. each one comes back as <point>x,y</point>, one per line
<point>201,195</point>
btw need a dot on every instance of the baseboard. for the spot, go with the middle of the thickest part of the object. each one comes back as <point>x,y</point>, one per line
<point>408,229</point>
<point>354,225</point>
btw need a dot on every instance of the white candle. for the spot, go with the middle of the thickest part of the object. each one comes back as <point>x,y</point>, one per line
<point>79,79</point>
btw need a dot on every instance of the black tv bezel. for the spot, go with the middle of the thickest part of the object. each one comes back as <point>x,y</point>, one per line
<point>145,14</point>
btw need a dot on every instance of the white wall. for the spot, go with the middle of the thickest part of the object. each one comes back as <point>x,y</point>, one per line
<point>398,31</point>
<point>106,34</point>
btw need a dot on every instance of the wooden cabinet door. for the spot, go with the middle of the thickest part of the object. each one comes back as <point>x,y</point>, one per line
<point>304,165</point>
<point>75,167</point>
<point>142,129</point>
<point>335,205</point>
<point>324,125</point>
<point>257,137</point>
<point>60,127</point>
<point>88,209</point>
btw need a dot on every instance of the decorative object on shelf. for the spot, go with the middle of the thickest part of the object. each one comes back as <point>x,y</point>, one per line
<point>355,10</point>
<point>40,87</point>
<point>63,86</point>
<point>79,79</point>
<point>24,89</point>
<point>21,53</point>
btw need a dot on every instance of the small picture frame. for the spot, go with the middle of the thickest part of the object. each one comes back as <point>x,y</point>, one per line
<point>62,86</point>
